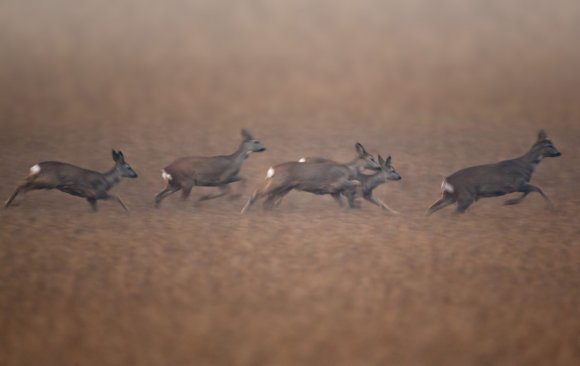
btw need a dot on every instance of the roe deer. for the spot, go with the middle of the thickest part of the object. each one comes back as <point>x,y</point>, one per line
<point>367,182</point>
<point>491,180</point>
<point>325,177</point>
<point>77,181</point>
<point>215,171</point>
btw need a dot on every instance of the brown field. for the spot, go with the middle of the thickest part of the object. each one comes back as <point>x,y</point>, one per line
<point>439,85</point>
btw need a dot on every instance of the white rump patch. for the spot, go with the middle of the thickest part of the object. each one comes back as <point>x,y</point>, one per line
<point>35,169</point>
<point>270,173</point>
<point>302,160</point>
<point>166,176</point>
<point>446,187</point>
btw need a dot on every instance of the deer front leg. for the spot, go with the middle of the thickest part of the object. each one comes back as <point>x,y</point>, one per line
<point>224,189</point>
<point>93,203</point>
<point>528,188</point>
<point>116,198</point>
<point>350,196</point>
<point>338,198</point>
<point>515,201</point>
<point>256,195</point>
<point>372,199</point>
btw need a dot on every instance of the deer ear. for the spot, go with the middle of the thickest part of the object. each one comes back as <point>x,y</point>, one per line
<point>360,149</point>
<point>121,156</point>
<point>542,135</point>
<point>246,134</point>
<point>381,160</point>
<point>388,162</point>
<point>115,155</point>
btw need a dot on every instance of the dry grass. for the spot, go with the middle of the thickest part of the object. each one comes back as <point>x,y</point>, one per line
<point>438,87</point>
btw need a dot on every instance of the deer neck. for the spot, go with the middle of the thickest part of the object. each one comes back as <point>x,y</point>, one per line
<point>112,177</point>
<point>532,158</point>
<point>356,166</point>
<point>374,180</point>
<point>238,157</point>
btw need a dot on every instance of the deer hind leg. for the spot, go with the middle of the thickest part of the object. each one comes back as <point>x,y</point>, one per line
<point>250,201</point>
<point>275,198</point>
<point>258,193</point>
<point>23,188</point>
<point>169,190</point>
<point>463,203</point>
<point>443,202</point>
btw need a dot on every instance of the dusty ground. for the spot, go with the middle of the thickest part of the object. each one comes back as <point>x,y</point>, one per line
<point>438,87</point>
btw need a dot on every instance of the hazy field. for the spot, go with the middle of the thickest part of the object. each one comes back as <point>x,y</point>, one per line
<point>439,85</point>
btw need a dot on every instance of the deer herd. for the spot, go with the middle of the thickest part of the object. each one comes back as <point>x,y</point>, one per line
<point>316,175</point>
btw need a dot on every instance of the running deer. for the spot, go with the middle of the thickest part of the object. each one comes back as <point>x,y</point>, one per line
<point>468,185</point>
<point>368,182</point>
<point>80,182</point>
<point>325,177</point>
<point>215,171</point>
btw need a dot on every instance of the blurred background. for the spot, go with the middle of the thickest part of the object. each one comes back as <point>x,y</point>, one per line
<point>440,85</point>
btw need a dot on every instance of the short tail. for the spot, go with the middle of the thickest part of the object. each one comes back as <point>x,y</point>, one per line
<point>446,187</point>
<point>166,176</point>
<point>34,170</point>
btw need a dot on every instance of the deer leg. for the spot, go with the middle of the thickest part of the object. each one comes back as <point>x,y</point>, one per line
<point>23,188</point>
<point>169,190</point>
<point>372,199</point>
<point>350,196</point>
<point>185,192</point>
<point>116,198</point>
<point>443,202</point>
<point>224,189</point>
<point>514,201</point>
<point>463,203</point>
<point>256,195</point>
<point>93,203</point>
<point>528,188</point>
<point>275,198</point>
<point>338,198</point>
